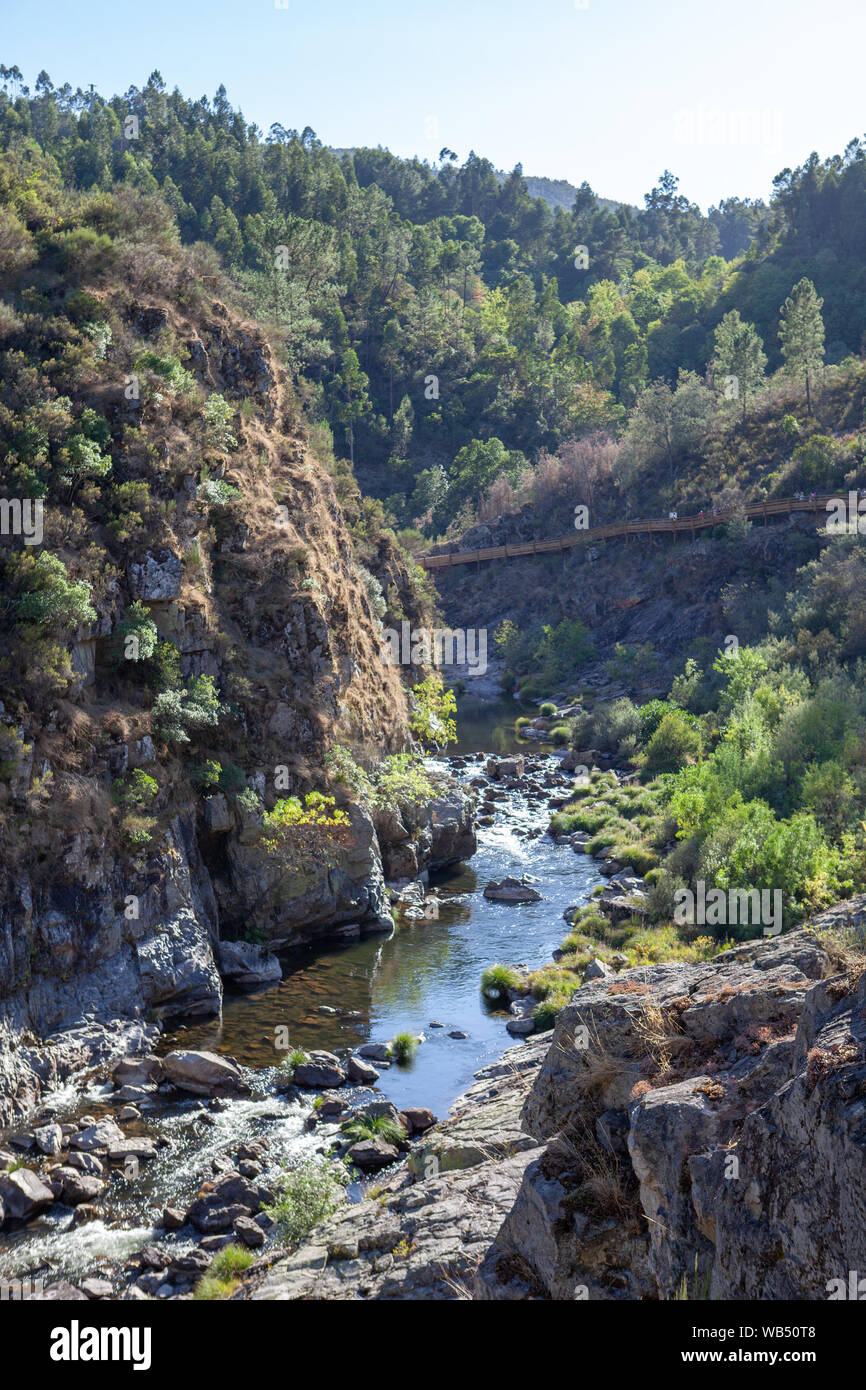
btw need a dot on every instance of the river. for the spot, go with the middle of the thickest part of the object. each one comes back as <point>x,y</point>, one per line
<point>426,972</point>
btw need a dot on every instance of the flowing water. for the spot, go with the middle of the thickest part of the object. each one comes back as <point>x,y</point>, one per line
<point>426,973</point>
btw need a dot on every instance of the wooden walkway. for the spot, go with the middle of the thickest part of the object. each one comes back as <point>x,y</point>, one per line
<point>688,525</point>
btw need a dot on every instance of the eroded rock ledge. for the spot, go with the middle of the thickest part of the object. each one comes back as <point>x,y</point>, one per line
<point>700,1123</point>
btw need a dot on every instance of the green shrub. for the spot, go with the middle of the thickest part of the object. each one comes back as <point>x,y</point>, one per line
<point>177,714</point>
<point>137,635</point>
<point>218,415</point>
<point>383,1127</point>
<point>498,981</point>
<point>294,1059</point>
<point>675,742</point>
<point>545,1012</point>
<point>403,1047</point>
<point>231,1259</point>
<point>49,599</point>
<point>547,709</point>
<point>210,1289</point>
<point>307,1195</point>
<point>136,790</point>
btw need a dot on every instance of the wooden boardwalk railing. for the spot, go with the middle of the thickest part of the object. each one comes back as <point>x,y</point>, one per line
<point>663,525</point>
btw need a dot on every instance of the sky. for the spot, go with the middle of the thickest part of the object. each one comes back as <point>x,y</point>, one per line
<point>608,91</point>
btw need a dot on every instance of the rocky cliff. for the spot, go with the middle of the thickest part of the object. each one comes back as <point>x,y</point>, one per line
<point>217,543</point>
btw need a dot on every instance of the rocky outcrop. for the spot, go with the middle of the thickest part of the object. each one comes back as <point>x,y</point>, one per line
<point>430,1226</point>
<point>428,835</point>
<point>247,966</point>
<point>687,1125</point>
<point>293,904</point>
<point>113,911</point>
<point>704,1123</point>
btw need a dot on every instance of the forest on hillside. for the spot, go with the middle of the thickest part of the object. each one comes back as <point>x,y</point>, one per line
<point>447,328</point>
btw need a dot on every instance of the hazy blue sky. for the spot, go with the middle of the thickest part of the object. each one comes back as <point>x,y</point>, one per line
<point>724,94</point>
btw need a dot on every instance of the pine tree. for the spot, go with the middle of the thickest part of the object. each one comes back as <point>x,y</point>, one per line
<point>739,358</point>
<point>801,331</point>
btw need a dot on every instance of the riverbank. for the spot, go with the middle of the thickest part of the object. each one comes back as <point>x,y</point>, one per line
<point>338,999</point>
<point>659,1145</point>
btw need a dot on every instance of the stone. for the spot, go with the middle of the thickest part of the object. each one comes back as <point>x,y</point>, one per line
<point>96,1288</point>
<point>97,1138</point>
<point>249,1232</point>
<point>248,966</point>
<point>371,1155</point>
<point>520,1027</point>
<point>49,1139</point>
<point>511,890</point>
<point>137,1071</point>
<point>330,1106</point>
<point>131,1148</point>
<point>73,1188</point>
<point>85,1163</point>
<point>189,1262</point>
<point>362,1071</point>
<point>23,1195</point>
<point>173,1219</point>
<point>63,1292</point>
<point>596,970</point>
<point>377,1052</point>
<point>320,1070</point>
<point>418,1119</point>
<point>226,1198</point>
<point>87,1211</point>
<point>218,818</point>
<point>205,1074</point>
<point>156,577</point>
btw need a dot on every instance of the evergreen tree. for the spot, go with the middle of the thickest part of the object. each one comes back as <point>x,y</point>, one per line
<point>801,332</point>
<point>739,359</point>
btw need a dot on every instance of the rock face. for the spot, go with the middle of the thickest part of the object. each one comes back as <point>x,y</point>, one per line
<point>113,932</point>
<point>714,1115</point>
<point>428,836</point>
<point>315,900</point>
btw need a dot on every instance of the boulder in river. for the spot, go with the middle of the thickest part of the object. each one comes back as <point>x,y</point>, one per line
<point>73,1188</point>
<point>320,1070</point>
<point>205,1074</point>
<point>377,1052</point>
<point>248,966</point>
<point>370,1155</point>
<point>23,1194</point>
<point>511,890</point>
<point>418,1118</point>
<point>137,1071</point>
<point>362,1071</point>
<point>97,1138</point>
<point>49,1139</point>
